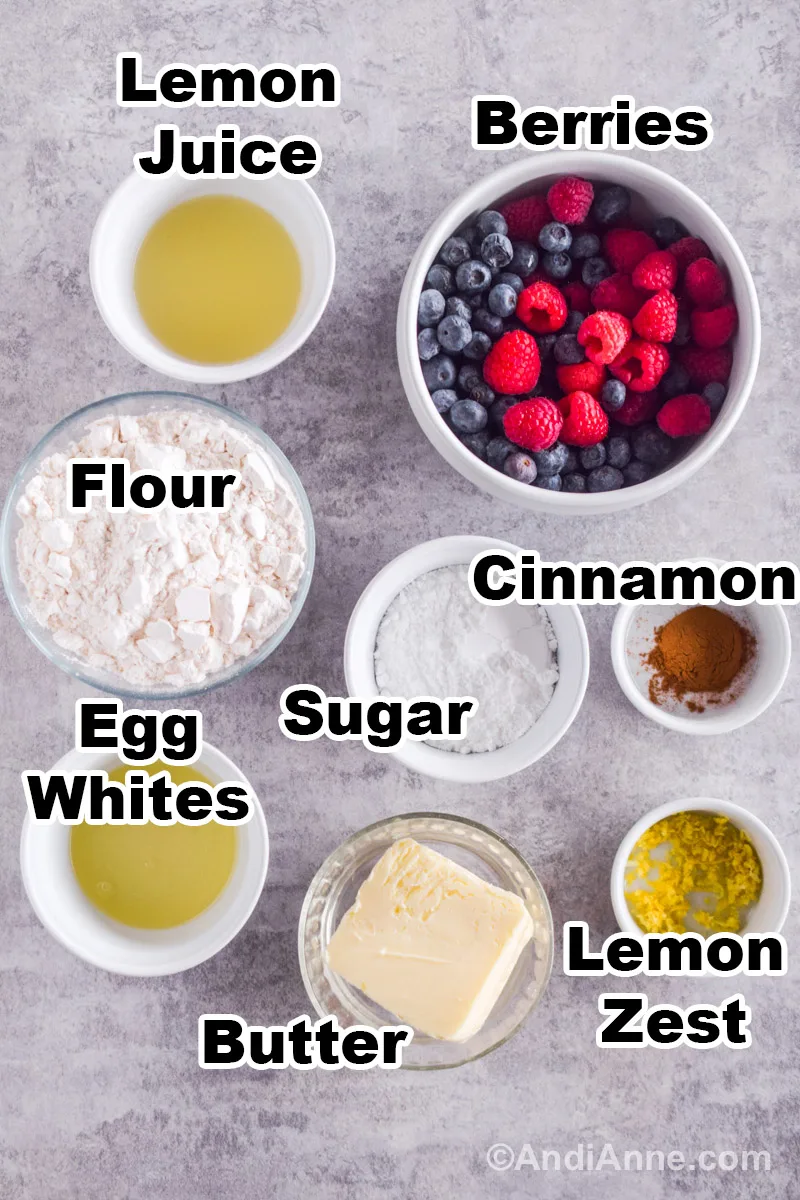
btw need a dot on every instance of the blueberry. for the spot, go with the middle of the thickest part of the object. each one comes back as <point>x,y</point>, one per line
<point>478,347</point>
<point>440,372</point>
<point>499,409</point>
<point>667,230</point>
<point>427,344</point>
<point>610,204</point>
<point>487,322</point>
<point>682,328</point>
<point>574,482</point>
<point>555,238</point>
<point>456,307</point>
<point>441,278</point>
<point>476,442</point>
<point>715,394</point>
<point>591,457</point>
<point>491,222</point>
<point>444,399</point>
<point>568,350</point>
<point>431,307</point>
<point>475,300</point>
<point>546,343</point>
<point>613,395</point>
<point>651,446</point>
<point>571,465</point>
<point>473,237</point>
<point>525,258</point>
<point>520,466</point>
<point>675,381</point>
<point>550,462</point>
<point>455,251</point>
<point>635,472</point>
<point>473,276</point>
<point>557,266</point>
<point>502,300</point>
<point>594,270</point>
<point>496,251</point>
<point>467,416</point>
<point>454,333</point>
<point>550,483</point>
<point>468,378</point>
<point>585,245</point>
<point>511,279</point>
<point>498,451</point>
<point>604,479</point>
<point>618,451</point>
<point>573,322</point>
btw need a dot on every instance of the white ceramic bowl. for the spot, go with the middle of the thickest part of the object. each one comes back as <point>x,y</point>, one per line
<point>138,203</point>
<point>654,193</point>
<point>573,665</point>
<point>633,634</point>
<point>73,920</point>
<point>767,916</point>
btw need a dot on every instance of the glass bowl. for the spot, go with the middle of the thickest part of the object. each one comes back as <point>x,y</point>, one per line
<point>58,440</point>
<point>333,891</point>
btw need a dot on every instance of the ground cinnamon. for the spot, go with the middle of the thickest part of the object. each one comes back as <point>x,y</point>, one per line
<point>701,650</point>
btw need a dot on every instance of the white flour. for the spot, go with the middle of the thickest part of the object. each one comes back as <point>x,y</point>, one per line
<point>173,595</point>
<point>436,640</point>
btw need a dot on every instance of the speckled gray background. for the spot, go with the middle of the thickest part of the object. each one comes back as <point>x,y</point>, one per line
<point>101,1095</point>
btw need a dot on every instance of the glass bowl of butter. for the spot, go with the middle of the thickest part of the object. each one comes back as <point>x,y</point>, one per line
<point>430,921</point>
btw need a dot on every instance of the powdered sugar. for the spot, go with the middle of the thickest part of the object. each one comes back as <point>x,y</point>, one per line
<point>437,640</point>
<point>171,596</point>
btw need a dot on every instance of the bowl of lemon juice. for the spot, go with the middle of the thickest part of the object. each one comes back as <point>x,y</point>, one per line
<point>212,281</point>
<point>146,899</point>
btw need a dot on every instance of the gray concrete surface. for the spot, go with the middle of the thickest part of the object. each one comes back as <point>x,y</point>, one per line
<point>100,1093</point>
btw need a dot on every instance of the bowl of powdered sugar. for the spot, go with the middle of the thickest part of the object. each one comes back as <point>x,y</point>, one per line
<point>162,603</point>
<point>418,631</point>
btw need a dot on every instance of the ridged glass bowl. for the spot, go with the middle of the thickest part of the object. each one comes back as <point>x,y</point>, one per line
<point>333,891</point>
<point>60,437</point>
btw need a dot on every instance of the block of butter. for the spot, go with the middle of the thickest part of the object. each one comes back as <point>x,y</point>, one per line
<point>431,942</point>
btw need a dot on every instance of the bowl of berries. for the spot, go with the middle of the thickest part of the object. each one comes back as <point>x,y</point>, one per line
<point>578,333</point>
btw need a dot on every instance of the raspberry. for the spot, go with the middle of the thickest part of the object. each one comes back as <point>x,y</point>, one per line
<point>578,297</point>
<point>570,199</point>
<point>618,293</point>
<point>603,336</point>
<point>657,319</point>
<point>712,328</point>
<point>533,424</point>
<point>542,308</point>
<point>684,416</point>
<point>585,423</point>
<point>526,217</point>
<point>687,250</point>
<point>707,366</point>
<point>641,365</point>
<point>581,377</point>
<point>656,271</point>
<point>638,408</point>
<point>625,248</point>
<point>704,283</point>
<point>512,365</point>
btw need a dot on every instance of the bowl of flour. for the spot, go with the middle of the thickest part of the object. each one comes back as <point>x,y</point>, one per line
<point>417,631</point>
<point>164,603</point>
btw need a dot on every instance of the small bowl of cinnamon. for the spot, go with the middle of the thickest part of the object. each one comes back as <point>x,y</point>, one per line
<point>702,668</point>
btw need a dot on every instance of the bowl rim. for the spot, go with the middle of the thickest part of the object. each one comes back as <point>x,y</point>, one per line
<point>256,829</point>
<point>738,815</point>
<point>726,720</point>
<point>157,356</point>
<point>374,827</point>
<point>427,760</point>
<point>8,561</point>
<point>480,474</point>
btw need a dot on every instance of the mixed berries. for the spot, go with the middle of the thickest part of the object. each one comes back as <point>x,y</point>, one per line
<point>568,347</point>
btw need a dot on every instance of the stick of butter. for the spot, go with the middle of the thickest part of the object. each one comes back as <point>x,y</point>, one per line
<point>431,942</point>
